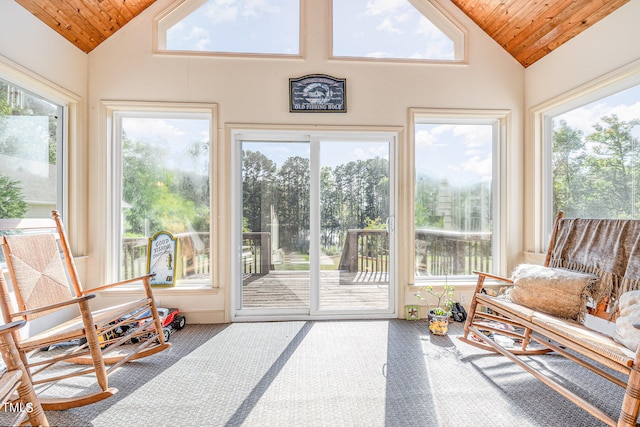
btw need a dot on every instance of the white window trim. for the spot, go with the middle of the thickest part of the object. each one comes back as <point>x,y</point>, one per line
<point>541,134</point>
<point>111,126</point>
<point>27,79</point>
<point>501,119</point>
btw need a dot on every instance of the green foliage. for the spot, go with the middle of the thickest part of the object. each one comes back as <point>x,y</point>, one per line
<point>444,297</point>
<point>12,204</point>
<point>159,198</point>
<point>350,195</point>
<point>596,176</point>
<point>375,224</point>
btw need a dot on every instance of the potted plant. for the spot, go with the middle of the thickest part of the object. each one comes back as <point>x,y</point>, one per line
<point>440,313</point>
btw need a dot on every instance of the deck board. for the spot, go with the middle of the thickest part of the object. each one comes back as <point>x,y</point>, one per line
<point>338,289</point>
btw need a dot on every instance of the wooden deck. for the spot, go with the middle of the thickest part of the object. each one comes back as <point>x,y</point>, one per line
<point>338,290</point>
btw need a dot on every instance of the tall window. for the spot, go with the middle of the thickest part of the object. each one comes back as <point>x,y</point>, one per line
<point>402,29</point>
<point>241,26</point>
<point>162,184</point>
<point>595,158</point>
<point>30,153</point>
<point>454,196</point>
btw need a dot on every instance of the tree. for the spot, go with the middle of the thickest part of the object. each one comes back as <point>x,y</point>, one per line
<point>568,167</point>
<point>152,192</point>
<point>293,189</point>
<point>258,179</point>
<point>611,177</point>
<point>12,204</point>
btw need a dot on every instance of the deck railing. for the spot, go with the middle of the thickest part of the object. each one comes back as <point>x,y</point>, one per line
<point>365,250</point>
<point>193,255</point>
<point>256,253</point>
<point>443,252</point>
<point>437,252</point>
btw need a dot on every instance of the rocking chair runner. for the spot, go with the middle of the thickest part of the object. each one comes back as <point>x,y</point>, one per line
<point>39,280</point>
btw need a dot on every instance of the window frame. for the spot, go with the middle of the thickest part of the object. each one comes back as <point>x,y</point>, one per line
<point>68,134</point>
<point>500,120</point>
<point>542,135</point>
<point>113,112</point>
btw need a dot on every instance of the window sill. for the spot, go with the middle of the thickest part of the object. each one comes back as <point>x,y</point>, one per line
<point>174,290</point>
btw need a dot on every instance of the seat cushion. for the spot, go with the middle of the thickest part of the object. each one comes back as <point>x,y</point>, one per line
<point>577,333</point>
<point>595,341</point>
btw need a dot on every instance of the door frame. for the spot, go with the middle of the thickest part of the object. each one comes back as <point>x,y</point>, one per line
<point>239,133</point>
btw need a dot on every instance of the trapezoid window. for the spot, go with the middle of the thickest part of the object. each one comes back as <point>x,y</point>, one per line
<point>226,26</point>
<point>398,29</point>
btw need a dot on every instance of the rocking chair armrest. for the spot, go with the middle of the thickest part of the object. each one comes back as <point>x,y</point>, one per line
<point>493,276</point>
<point>55,306</point>
<point>144,279</point>
<point>12,326</point>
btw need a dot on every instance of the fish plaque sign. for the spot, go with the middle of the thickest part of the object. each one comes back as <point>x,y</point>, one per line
<point>317,93</point>
<point>161,259</point>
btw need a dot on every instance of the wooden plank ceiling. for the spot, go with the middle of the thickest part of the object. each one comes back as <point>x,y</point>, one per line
<point>530,29</point>
<point>85,23</point>
<point>527,29</point>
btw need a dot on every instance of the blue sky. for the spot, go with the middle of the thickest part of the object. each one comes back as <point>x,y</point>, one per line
<point>460,153</point>
<point>625,104</point>
<point>365,28</point>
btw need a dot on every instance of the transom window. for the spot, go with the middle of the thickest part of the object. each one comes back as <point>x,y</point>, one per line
<point>233,26</point>
<point>364,29</point>
<point>401,29</point>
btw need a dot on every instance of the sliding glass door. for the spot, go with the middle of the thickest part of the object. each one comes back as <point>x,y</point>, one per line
<point>314,229</point>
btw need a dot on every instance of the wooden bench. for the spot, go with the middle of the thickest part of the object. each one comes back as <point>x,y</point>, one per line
<point>605,248</point>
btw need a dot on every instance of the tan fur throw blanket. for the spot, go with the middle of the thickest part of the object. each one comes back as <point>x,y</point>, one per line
<point>625,333</point>
<point>554,291</point>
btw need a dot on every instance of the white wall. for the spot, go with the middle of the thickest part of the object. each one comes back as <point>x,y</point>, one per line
<point>36,56</point>
<point>256,91</point>
<point>605,47</point>
<point>379,94</point>
<point>48,62</point>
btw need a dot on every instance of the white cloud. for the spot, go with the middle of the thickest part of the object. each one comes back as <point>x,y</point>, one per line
<point>477,166</point>
<point>220,11</point>
<point>429,139</point>
<point>387,25</point>
<point>151,130</point>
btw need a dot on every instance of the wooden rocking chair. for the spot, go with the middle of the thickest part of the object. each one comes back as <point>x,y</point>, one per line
<point>15,379</point>
<point>41,266</point>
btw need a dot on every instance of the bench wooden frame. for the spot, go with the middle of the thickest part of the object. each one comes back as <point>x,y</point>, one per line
<point>596,351</point>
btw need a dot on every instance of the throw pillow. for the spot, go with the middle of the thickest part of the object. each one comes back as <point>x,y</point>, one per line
<point>559,292</point>
<point>629,306</point>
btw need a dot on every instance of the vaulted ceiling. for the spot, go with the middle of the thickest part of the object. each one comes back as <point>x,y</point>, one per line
<point>527,29</point>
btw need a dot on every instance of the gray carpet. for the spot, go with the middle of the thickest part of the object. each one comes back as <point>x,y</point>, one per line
<point>333,373</point>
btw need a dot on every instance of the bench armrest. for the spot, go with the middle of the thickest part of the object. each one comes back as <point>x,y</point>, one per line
<point>493,276</point>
